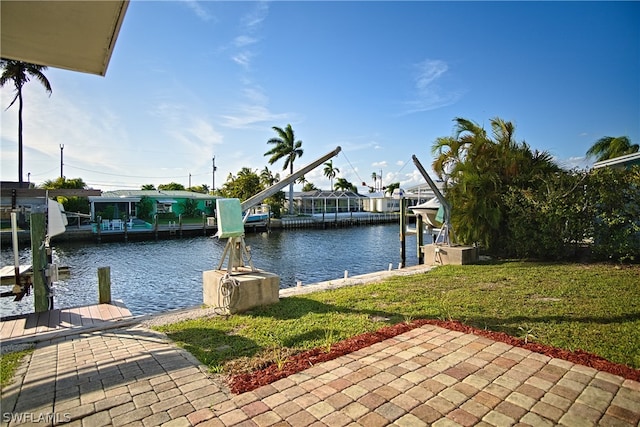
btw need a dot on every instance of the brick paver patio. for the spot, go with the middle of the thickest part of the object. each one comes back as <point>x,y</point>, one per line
<point>427,376</point>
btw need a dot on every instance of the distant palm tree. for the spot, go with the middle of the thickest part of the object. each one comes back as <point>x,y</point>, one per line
<point>609,147</point>
<point>389,189</point>
<point>148,187</point>
<point>308,186</point>
<point>18,72</point>
<point>62,182</point>
<point>330,172</point>
<point>288,148</point>
<point>267,178</point>
<point>343,184</point>
<point>374,176</point>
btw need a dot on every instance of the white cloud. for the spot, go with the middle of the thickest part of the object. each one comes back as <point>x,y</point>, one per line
<point>255,17</point>
<point>196,7</point>
<point>383,164</point>
<point>244,40</point>
<point>243,58</point>
<point>581,162</point>
<point>248,115</point>
<point>428,94</point>
<point>429,71</point>
<point>204,132</point>
<point>255,95</point>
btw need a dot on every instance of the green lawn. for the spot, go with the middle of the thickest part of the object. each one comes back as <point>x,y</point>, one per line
<point>9,362</point>
<point>595,308</point>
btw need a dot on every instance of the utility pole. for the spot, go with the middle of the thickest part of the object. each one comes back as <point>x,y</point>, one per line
<point>189,180</point>
<point>213,186</point>
<point>61,162</point>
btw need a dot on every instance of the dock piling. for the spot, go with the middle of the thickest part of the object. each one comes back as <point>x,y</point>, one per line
<point>104,285</point>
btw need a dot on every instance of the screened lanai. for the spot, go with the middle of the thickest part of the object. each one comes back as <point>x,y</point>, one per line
<point>317,202</point>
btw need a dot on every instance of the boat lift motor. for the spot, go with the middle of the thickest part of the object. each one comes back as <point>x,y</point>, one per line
<point>231,226</point>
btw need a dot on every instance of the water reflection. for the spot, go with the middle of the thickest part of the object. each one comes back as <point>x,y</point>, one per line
<point>156,276</point>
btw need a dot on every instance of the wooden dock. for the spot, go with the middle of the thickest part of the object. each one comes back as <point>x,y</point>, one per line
<point>8,273</point>
<point>62,322</point>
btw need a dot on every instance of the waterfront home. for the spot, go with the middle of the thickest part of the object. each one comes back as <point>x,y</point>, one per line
<point>125,203</point>
<point>381,202</point>
<point>385,202</point>
<point>318,202</point>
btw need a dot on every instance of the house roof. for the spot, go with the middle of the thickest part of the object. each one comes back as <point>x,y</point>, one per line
<point>319,194</point>
<point>73,35</point>
<point>158,194</point>
<point>622,161</point>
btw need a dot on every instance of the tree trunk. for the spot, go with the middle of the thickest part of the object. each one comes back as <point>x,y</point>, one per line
<point>20,137</point>
<point>291,190</point>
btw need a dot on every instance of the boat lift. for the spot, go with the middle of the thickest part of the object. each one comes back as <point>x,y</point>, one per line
<point>445,235</point>
<point>231,222</point>
<point>44,272</point>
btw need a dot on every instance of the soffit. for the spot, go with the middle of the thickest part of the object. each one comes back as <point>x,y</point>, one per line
<point>73,35</point>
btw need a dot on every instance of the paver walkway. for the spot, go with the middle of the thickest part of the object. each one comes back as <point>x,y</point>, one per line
<point>427,376</point>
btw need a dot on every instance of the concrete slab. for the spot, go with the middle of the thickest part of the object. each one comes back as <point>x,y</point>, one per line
<point>239,292</point>
<point>449,255</point>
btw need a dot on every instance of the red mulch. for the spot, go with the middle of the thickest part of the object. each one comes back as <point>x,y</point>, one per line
<point>301,361</point>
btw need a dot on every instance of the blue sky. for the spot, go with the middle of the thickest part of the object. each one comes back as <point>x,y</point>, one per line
<point>190,80</point>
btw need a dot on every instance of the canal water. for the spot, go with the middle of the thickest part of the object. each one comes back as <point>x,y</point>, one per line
<point>156,276</point>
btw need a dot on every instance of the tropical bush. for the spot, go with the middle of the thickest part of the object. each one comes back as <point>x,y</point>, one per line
<point>515,202</point>
<point>614,196</point>
<point>190,208</point>
<point>145,208</point>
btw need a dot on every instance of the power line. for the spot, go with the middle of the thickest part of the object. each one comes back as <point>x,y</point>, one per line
<point>352,168</point>
<point>136,176</point>
<point>44,173</point>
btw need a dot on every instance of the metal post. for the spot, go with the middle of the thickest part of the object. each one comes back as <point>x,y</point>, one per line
<point>403,233</point>
<point>419,238</point>
<point>213,184</point>
<point>61,162</point>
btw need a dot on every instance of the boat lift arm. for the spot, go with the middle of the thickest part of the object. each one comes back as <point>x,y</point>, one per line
<point>445,204</point>
<point>255,200</point>
<point>235,247</point>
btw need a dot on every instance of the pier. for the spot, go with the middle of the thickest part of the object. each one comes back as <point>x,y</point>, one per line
<point>61,322</point>
<point>331,220</point>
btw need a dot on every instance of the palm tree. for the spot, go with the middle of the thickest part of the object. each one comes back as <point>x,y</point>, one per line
<point>389,189</point>
<point>148,187</point>
<point>267,178</point>
<point>62,182</point>
<point>343,184</point>
<point>18,72</point>
<point>449,152</point>
<point>330,172</point>
<point>285,146</point>
<point>479,170</point>
<point>609,147</point>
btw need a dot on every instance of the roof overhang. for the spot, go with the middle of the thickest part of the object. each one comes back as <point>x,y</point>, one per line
<point>73,35</point>
<point>102,199</point>
<point>622,161</point>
